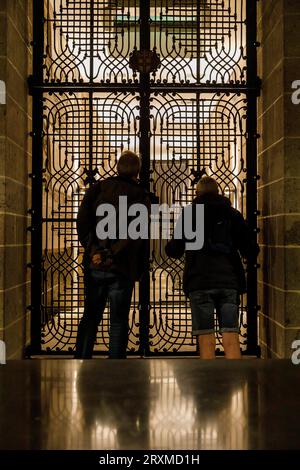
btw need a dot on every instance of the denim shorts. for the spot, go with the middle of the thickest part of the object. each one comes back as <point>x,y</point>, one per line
<point>225,302</point>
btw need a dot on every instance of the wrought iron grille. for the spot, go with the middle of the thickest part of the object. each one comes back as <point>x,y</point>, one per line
<point>193,114</point>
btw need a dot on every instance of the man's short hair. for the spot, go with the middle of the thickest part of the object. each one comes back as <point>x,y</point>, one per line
<point>207,185</point>
<point>129,164</point>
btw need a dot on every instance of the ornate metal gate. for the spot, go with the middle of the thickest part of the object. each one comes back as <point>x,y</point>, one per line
<point>175,80</point>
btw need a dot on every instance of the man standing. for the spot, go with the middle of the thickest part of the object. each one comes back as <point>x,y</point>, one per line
<point>111,266</point>
<point>214,276</point>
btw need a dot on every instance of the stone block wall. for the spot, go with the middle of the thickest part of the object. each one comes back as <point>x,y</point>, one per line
<point>15,164</point>
<point>279,187</point>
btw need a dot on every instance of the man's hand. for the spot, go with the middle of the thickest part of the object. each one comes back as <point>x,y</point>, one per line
<point>97,259</point>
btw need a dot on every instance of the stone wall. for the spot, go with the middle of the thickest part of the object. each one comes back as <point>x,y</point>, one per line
<point>15,162</point>
<point>279,187</point>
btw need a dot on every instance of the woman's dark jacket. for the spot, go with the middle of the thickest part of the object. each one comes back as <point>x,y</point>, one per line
<point>208,269</point>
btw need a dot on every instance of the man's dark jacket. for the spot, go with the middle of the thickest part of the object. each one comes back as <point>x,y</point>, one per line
<point>207,269</point>
<point>129,256</point>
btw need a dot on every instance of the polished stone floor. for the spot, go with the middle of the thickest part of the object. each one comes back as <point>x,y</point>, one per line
<point>149,404</point>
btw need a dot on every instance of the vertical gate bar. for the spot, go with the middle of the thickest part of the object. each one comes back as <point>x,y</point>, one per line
<point>251,197</point>
<point>144,288</point>
<point>198,81</point>
<point>198,132</point>
<point>198,102</point>
<point>198,40</point>
<point>91,94</point>
<point>37,177</point>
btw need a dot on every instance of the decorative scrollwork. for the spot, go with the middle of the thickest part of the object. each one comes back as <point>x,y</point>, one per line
<point>81,144</point>
<point>176,133</point>
<point>94,91</point>
<point>197,41</point>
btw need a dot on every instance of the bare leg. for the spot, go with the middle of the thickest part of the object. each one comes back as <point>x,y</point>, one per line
<point>231,345</point>
<point>207,346</point>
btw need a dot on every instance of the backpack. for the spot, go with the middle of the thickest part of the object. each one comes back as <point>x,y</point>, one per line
<point>219,235</point>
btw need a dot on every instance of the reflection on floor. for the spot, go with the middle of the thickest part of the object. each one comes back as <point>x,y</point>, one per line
<point>149,404</point>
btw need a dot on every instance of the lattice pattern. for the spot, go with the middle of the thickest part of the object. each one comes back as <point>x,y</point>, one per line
<point>181,124</point>
<point>198,41</point>
<point>89,40</point>
<point>111,123</point>
<point>195,126</point>
<point>81,144</point>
